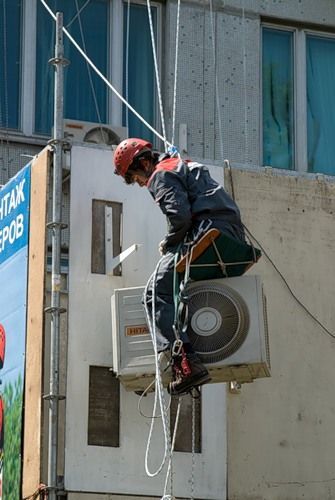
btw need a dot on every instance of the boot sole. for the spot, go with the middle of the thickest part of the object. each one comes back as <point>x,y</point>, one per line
<point>196,382</point>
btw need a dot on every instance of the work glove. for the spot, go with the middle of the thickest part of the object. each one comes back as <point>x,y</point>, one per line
<point>162,248</point>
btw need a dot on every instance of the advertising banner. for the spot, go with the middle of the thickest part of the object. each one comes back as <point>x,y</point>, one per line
<point>14,231</point>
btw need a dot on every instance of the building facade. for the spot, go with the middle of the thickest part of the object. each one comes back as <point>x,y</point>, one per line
<point>255,83</point>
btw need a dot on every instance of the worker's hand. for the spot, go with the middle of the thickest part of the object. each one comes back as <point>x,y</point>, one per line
<point>161,247</point>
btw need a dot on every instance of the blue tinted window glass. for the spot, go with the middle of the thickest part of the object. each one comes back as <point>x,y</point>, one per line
<point>278,105</point>
<point>10,63</point>
<point>321,104</point>
<point>141,77</point>
<point>85,94</point>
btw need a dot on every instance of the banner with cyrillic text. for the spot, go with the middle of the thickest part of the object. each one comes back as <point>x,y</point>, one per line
<point>14,232</point>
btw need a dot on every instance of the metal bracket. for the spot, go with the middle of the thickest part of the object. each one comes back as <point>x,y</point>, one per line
<point>112,262</point>
<point>52,397</point>
<point>53,225</point>
<point>59,60</point>
<point>51,310</point>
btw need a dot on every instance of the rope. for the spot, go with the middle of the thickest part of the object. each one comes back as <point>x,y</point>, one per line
<point>159,391</point>
<point>218,106</point>
<point>144,393</point>
<point>157,74</point>
<point>193,449</point>
<point>41,492</point>
<point>159,397</point>
<point>169,470</point>
<point>107,82</point>
<point>245,88</point>
<point>175,74</point>
<point>78,12</point>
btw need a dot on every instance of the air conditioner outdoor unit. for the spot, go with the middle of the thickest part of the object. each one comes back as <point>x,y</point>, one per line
<point>227,327</point>
<point>94,133</point>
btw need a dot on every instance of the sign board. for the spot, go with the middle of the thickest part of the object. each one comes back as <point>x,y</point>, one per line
<point>14,230</point>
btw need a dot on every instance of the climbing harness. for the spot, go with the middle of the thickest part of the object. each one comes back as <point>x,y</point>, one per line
<point>180,325</point>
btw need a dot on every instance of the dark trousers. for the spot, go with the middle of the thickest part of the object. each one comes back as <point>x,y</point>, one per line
<point>164,293</point>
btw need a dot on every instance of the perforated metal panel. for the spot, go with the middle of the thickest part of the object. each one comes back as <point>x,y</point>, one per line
<point>13,157</point>
<point>236,64</point>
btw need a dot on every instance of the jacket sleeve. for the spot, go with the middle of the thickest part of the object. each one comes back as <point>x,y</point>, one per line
<point>170,192</point>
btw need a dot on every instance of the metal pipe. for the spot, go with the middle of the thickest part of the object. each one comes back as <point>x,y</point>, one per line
<point>56,227</point>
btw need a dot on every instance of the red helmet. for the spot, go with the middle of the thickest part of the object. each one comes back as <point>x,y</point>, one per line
<point>125,153</point>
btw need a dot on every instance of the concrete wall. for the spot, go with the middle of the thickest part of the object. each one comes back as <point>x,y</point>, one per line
<point>281,444</point>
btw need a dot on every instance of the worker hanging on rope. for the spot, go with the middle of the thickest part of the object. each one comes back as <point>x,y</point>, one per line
<point>193,202</point>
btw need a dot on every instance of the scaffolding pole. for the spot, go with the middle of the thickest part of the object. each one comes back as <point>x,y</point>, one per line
<point>56,226</point>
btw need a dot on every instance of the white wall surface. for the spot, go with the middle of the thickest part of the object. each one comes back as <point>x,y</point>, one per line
<point>121,470</point>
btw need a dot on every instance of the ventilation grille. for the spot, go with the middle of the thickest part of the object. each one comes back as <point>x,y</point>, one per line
<point>218,321</point>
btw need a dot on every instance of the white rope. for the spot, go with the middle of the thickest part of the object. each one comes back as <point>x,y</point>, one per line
<point>78,12</point>
<point>107,82</point>
<point>218,106</point>
<point>169,470</point>
<point>159,390</point>
<point>157,73</point>
<point>175,74</point>
<point>193,450</point>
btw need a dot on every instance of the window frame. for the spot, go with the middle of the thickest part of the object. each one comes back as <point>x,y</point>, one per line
<point>27,95</point>
<point>300,34</point>
<point>286,29</point>
<point>115,107</point>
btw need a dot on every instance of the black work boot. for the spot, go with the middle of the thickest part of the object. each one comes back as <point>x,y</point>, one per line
<point>188,372</point>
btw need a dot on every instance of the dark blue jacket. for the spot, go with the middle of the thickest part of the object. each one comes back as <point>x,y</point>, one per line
<point>187,194</point>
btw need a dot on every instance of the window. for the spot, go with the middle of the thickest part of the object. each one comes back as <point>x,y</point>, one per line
<point>27,39</point>
<point>278,137</point>
<point>85,94</point>
<point>138,80</point>
<point>298,100</point>
<point>10,63</point>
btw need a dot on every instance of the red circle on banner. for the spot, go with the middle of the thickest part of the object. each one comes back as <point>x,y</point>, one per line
<point>2,345</point>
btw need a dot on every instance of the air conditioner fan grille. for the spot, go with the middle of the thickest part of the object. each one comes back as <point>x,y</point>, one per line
<point>218,321</point>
